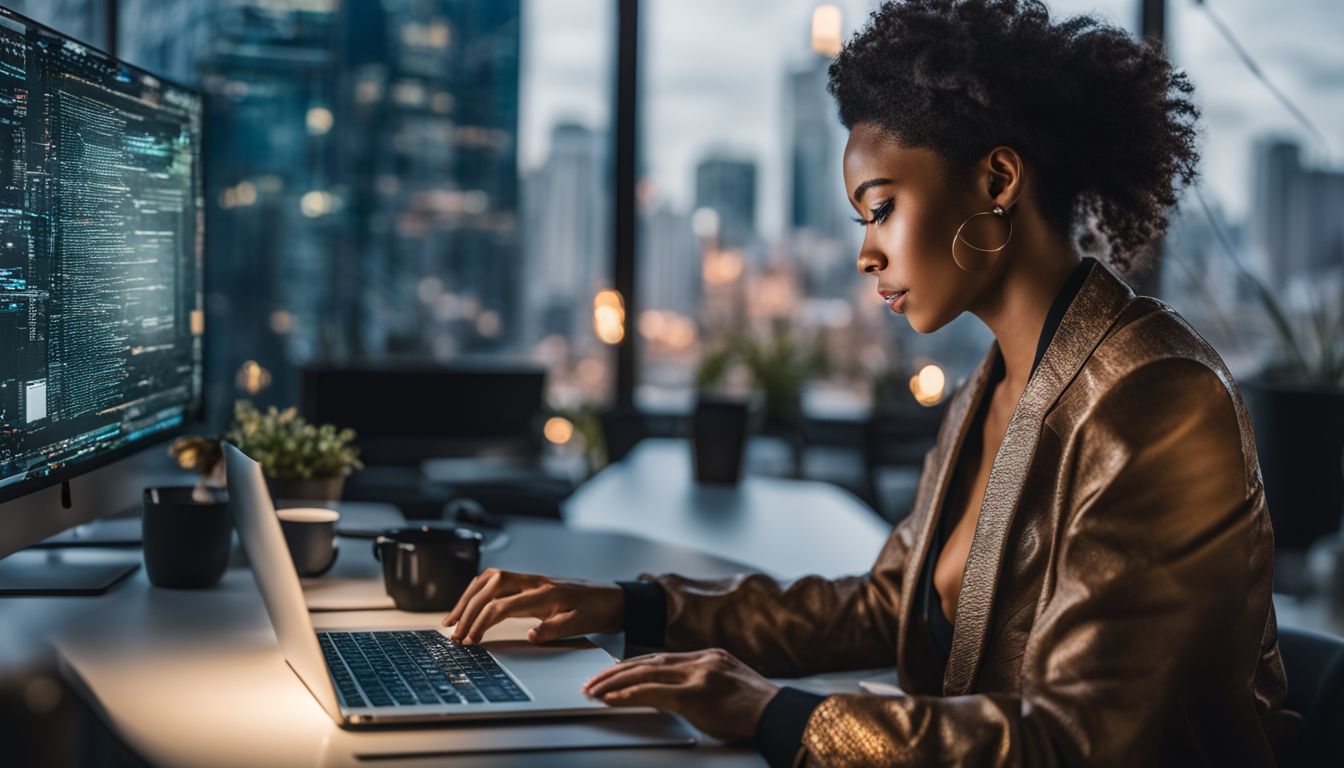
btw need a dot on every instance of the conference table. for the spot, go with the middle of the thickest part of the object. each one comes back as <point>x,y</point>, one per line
<point>195,678</point>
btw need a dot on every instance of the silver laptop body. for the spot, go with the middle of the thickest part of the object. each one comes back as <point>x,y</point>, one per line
<point>537,680</point>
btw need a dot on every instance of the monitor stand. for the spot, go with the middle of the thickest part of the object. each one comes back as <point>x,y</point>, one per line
<point>25,574</point>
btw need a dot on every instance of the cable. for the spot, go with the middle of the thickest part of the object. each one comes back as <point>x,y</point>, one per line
<point>1259,73</point>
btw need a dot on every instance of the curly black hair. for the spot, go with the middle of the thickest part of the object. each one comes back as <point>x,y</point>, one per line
<point>1104,119</point>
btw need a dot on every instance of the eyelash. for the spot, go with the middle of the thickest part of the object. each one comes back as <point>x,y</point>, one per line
<point>880,214</point>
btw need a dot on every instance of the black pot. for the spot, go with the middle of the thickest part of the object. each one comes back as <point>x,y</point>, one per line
<point>319,489</point>
<point>186,542</point>
<point>1299,435</point>
<point>719,438</point>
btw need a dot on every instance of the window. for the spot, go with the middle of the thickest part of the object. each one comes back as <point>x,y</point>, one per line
<point>1272,189</point>
<point>84,20</point>
<point>744,222</point>
<point>407,180</point>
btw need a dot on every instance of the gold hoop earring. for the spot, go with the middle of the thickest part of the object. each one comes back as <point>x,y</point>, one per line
<point>997,210</point>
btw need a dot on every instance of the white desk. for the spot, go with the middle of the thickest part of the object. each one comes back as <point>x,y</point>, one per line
<point>194,678</point>
<point>787,528</point>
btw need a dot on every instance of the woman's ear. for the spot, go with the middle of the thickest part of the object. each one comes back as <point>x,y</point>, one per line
<point>1006,177</point>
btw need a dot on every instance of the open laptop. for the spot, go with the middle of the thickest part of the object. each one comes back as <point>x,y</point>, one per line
<point>385,677</point>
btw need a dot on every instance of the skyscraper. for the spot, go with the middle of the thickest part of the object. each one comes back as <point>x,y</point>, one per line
<point>816,196</point>
<point>429,105</point>
<point>566,233</point>
<point>727,185</point>
<point>1295,223</point>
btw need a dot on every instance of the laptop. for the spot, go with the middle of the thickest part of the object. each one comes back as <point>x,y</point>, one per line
<point>371,677</point>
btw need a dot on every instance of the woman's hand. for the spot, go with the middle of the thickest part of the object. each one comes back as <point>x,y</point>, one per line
<point>712,689</point>
<point>565,606</point>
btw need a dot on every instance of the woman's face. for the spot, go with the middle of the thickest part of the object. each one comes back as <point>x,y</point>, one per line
<point>911,214</point>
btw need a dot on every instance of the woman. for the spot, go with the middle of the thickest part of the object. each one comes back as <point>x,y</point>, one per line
<point>1085,574</point>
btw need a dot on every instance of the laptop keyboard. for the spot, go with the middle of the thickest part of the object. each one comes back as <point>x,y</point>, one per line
<point>390,669</point>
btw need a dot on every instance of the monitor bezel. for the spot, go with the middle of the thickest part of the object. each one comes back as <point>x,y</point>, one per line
<point>193,412</point>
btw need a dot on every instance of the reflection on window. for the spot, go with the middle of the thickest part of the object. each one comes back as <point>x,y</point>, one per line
<point>364,181</point>
<point>84,20</point>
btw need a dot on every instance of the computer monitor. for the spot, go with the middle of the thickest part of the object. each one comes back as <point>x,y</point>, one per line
<point>101,292</point>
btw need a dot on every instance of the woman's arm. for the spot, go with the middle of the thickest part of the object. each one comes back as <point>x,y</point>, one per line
<point>804,627</point>
<point>1159,614</point>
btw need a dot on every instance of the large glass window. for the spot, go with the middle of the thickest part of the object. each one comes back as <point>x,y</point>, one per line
<point>395,180</point>
<point>1272,188</point>
<point>84,20</point>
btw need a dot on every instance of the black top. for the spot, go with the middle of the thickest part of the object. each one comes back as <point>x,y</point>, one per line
<point>779,733</point>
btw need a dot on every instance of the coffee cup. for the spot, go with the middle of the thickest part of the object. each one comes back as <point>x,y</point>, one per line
<point>428,569</point>
<point>310,533</point>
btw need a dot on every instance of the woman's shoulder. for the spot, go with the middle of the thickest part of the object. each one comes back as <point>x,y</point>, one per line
<point>1151,333</point>
<point>1154,374</point>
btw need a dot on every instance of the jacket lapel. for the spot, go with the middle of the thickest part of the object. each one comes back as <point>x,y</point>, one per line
<point>943,458</point>
<point>1093,311</point>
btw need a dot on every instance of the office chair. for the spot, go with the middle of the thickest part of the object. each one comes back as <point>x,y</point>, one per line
<point>897,439</point>
<point>1314,663</point>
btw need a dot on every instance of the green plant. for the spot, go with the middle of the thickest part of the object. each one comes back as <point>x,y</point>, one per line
<point>289,448</point>
<point>778,365</point>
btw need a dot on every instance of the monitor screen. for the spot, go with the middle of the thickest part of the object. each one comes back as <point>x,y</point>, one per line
<point>101,215</point>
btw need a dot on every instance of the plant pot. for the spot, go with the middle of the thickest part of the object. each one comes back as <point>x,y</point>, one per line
<point>320,489</point>
<point>186,542</point>
<point>1299,435</point>
<point>719,438</point>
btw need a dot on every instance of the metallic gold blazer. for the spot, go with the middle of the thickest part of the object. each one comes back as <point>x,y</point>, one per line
<point>1115,608</point>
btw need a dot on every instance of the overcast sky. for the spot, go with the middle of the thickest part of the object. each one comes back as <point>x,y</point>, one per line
<point>713,73</point>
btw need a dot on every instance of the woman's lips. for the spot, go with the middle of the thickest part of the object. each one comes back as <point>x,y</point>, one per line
<point>895,300</point>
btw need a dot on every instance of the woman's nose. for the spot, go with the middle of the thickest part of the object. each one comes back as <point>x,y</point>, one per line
<point>871,261</point>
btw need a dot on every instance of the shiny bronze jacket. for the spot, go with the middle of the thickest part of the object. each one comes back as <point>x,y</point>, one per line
<point>1115,607</point>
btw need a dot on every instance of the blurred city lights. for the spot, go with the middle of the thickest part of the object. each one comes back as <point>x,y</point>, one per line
<point>826,30</point>
<point>558,430</point>
<point>319,120</point>
<point>609,316</point>
<point>927,385</point>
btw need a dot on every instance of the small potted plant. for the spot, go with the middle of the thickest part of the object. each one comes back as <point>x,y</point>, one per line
<point>302,461</point>
<point>745,369</point>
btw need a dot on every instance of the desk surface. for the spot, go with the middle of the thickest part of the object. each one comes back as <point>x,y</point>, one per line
<point>194,678</point>
<point>787,528</point>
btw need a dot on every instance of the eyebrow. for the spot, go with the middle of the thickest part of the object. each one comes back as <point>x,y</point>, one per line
<point>869,184</point>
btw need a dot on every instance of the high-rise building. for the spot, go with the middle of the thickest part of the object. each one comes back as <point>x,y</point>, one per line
<point>429,108</point>
<point>267,67</point>
<point>816,184</point>
<point>566,233</point>
<point>670,266</point>
<point>1295,223</point>
<point>727,185</point>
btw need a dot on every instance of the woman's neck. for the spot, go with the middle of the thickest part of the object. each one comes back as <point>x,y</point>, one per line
<point>1015,307</point>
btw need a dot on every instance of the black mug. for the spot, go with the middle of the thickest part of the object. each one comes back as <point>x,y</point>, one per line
<point>428,569</point>
<point>186,542</point>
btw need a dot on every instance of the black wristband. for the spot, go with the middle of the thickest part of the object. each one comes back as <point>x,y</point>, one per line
<point>645,613</point>
<point>779,734</point>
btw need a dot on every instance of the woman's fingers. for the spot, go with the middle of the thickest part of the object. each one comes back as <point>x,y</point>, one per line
<point>493,589</point>
<point>634,675</point>
<point>643,660</point>
<point>659,695</point>
<point>521,604</point>
<point>473,587</point>
<point>554,626</point>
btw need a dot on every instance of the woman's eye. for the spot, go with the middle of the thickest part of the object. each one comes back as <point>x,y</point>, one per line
<point>880,214</point>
